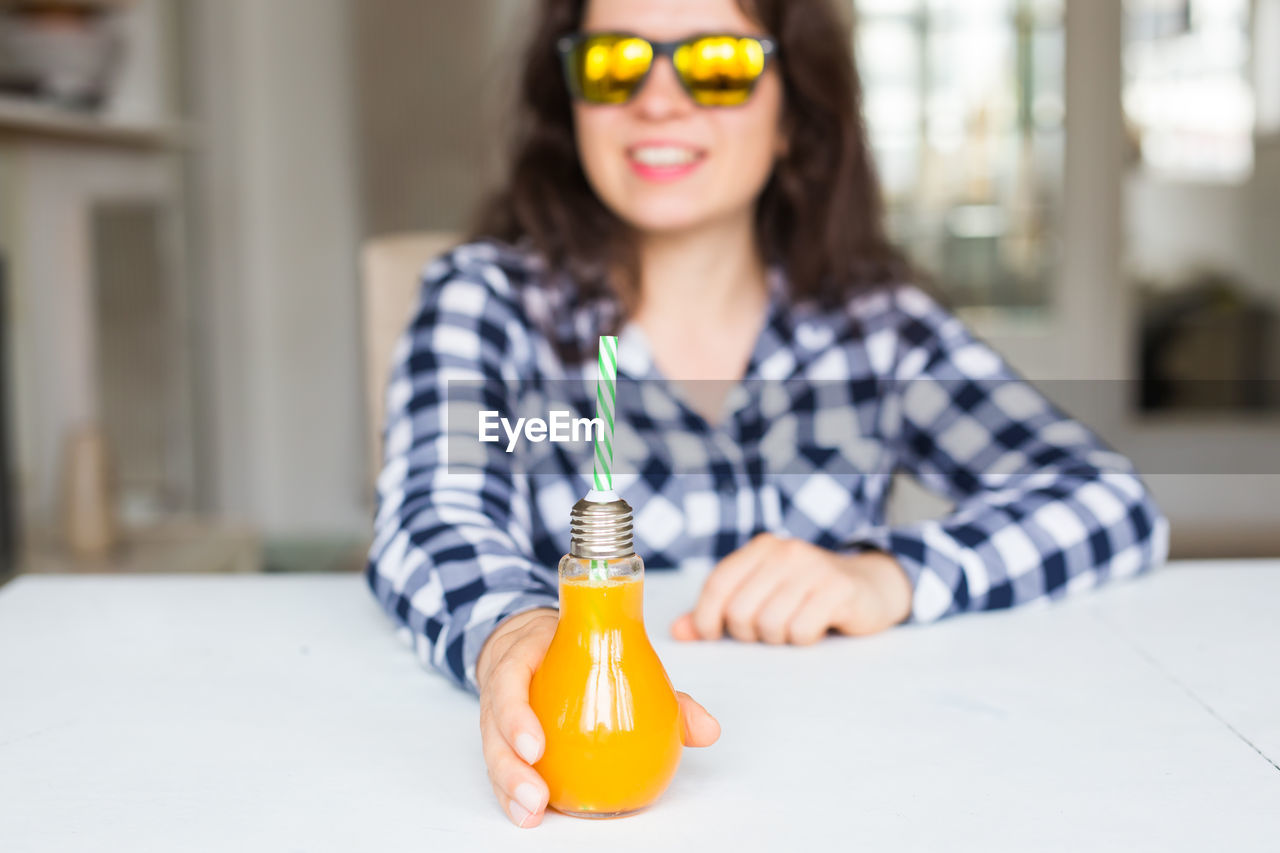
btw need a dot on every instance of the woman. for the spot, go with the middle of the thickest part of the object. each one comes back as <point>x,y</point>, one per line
<point>717,204</point>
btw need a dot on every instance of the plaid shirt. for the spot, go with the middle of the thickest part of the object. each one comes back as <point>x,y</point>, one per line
<point>832,404</point>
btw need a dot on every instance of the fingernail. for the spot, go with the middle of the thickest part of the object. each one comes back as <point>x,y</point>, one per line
<point>527,746</point>
<point>528,796</point>
<point>519,813</point>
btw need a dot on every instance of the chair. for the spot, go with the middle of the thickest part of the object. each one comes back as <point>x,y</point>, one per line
<point>391,269</point>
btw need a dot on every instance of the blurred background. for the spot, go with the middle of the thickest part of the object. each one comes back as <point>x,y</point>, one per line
<point>187,189</point>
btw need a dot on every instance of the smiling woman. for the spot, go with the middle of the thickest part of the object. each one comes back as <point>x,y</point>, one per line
<point>694,175</point>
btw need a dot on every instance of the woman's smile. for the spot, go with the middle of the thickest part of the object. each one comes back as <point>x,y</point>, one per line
<point>662,161</point>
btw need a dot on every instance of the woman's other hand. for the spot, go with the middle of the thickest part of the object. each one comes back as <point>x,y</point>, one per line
<point>509,730</point>
<point>777,590</point>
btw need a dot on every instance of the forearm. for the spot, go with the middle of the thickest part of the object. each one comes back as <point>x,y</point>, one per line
<point>448,572</point>
<point>451,606</point>
<point>1015,545</point>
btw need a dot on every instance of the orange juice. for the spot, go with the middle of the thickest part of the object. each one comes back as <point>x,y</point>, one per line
<point>607,708</point>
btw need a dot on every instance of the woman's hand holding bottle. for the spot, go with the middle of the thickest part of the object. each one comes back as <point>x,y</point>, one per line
<point>778,590</point>
<point>509,730</point>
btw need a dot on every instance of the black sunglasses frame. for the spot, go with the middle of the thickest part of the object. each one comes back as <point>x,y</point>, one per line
<point>566,45</point>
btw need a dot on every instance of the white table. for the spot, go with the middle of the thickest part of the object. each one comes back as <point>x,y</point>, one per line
<point>278,713</point>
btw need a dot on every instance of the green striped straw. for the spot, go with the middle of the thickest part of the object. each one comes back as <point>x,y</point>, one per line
<point>606,407</point>
<point>606,404</point>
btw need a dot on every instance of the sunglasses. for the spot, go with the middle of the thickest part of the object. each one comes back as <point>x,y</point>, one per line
<point>716,69</point>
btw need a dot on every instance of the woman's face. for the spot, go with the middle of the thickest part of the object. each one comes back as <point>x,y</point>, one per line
<point>726,154</point>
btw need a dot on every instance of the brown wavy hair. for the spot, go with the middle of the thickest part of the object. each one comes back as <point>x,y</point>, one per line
<point>820,215</point>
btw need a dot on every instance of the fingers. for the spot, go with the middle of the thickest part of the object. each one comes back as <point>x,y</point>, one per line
<point>523,799</point>
<point>777,591</point>
<point>700,728</point>
<point>774,621</point>
<point>742,611</point>
<point>812,619</point>
<point>513,718</point>
<point>512,736</point>
<point>682,629</point>
<point>723,582</point>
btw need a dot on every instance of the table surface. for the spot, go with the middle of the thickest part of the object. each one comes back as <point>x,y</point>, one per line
<point>279,713</point>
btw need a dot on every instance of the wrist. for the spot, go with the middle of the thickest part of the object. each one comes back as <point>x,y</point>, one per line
<point>504,634</point>
<point>889,581</point>
<point>893,582</point>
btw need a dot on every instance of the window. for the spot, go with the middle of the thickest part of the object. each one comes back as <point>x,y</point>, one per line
<point>1188,95</point>
<point>965,108</point>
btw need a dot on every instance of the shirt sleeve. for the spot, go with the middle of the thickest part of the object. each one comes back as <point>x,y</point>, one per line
<point>1041,506</point>
<point>452,550</point>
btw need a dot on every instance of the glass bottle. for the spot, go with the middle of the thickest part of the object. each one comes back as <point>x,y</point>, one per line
<point>608,710</point>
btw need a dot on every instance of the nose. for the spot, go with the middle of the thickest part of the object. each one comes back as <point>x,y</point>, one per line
<point>662,97</point>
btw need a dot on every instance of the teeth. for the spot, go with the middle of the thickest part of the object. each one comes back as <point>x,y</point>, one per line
<point>663,155</point>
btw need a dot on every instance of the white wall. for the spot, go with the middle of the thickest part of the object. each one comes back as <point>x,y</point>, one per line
<point>1173,227</point>
<point>284,443</point>
<point>434,80</point>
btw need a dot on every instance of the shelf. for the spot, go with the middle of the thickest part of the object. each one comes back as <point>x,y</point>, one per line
<point>29,119</point>
<point>180,546</point>
<point>1239,423</point>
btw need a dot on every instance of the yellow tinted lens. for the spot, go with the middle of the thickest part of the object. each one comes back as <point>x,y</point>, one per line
<point>607,69</point>
<point>720,71</point>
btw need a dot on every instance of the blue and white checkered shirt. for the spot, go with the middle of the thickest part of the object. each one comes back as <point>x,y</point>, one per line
<point>833,402</point>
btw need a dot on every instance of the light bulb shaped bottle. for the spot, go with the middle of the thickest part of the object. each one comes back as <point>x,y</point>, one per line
<point>607,708</point>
